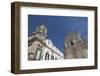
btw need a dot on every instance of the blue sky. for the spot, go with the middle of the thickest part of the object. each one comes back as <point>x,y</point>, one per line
<point>59,26</point>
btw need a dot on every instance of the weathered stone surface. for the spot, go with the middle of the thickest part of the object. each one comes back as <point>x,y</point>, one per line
<point>75,46</point>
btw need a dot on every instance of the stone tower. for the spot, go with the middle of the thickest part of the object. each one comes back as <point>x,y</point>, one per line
<point>75,46</point>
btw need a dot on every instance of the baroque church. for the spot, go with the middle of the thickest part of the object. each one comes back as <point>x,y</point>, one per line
<point>40,47</point>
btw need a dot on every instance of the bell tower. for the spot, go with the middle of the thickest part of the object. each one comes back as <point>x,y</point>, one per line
<point>40,32</point>
<point>75,46</point>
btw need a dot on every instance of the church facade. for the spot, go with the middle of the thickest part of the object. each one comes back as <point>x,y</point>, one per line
<point>42,48</point>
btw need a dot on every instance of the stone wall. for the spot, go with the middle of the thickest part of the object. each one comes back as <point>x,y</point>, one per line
<point>75,47</point>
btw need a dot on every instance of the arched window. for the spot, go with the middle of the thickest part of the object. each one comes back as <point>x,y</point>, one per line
<point>38,54</point>
<point>47,56</point>
<point>55,58</point>
<point>52,57</point>
<point>72,43</point>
